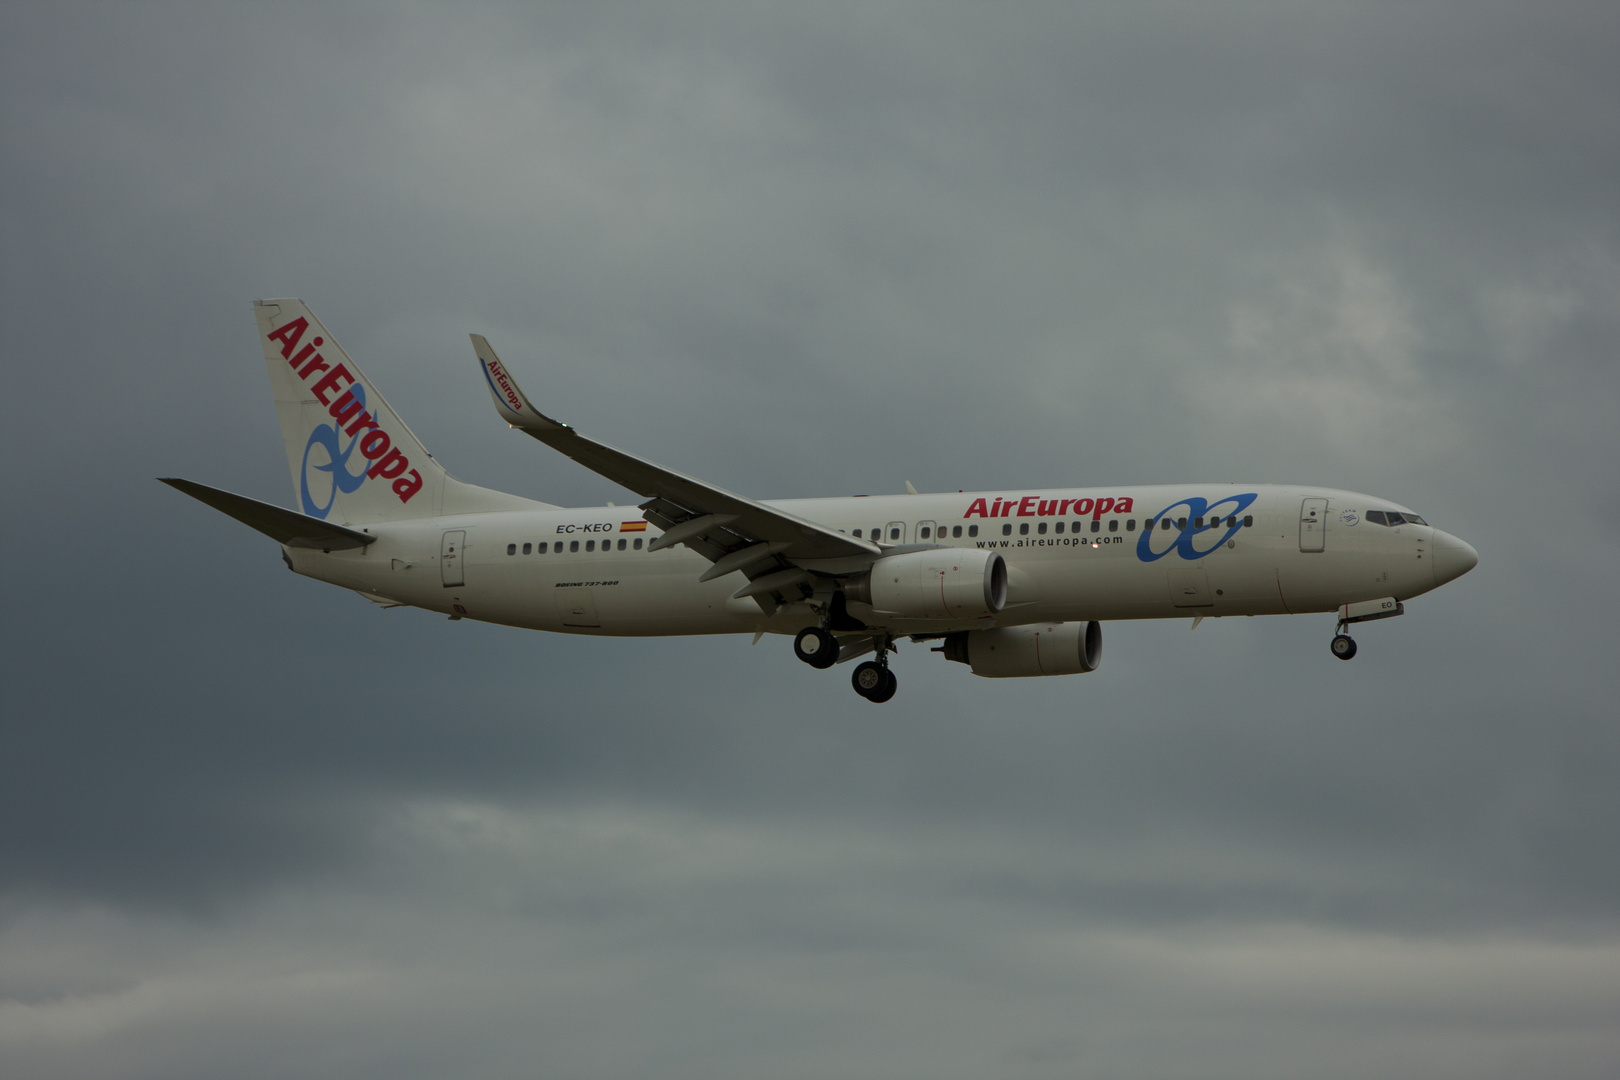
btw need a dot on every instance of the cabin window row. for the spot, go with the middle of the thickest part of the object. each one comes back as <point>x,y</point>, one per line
<point>955,531</point>
<point>924,532</point>
<point>1130,525</point>
<point>573,545</point>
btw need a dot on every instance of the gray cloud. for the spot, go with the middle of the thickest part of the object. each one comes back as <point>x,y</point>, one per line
<point>245,818</point>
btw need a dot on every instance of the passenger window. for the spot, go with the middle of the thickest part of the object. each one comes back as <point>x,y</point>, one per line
<point>1248,521</point>
<point>1023,528</point>
<point>621,545</point>
<point>956,531</point>
<point>1165,523</point>
<point>541,547</point>
<point>1096,526</point>
<point>1041,528</point>
<point>857,534</point>
<point>1130,524</point>
<point>637,544</point>
<point>1181,523</point>
<point>527,549</point>
<point>573,545</point>
<point>1058,528</point>
<point>1006,530</point>
<point>1198,523</point>
<point>590,545</point>
<point>511,549</point>
<point>973,530</point>
<point>1113,524</point>
<point>1077,526</point>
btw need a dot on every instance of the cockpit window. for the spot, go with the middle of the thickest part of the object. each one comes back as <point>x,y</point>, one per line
<point>1391,517</point>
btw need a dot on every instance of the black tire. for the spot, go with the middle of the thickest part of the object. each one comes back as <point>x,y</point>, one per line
<point>886,691</point>
<point>871,678</point>
<point>816,647</point>
<point>1343,646</point>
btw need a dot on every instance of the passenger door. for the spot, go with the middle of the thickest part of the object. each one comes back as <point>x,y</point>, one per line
<point>450,557</point>
<point>1313,525</point>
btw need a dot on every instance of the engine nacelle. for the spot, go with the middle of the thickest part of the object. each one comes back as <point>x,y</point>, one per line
<point>1010,652</point>
<point>943,583</point>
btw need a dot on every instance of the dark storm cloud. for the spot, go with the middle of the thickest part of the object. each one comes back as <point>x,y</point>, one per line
<point>820,250</point>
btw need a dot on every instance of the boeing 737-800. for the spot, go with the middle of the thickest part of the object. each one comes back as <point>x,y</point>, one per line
<point>1010,583</point>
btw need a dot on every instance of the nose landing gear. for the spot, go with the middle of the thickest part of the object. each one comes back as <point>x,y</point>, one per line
<point>1385,607</point>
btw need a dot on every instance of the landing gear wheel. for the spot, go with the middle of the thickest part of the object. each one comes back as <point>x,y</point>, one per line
<point>886,691</point>
<point>1343,646</point>
<point>816,647</point>
<point>873,681</point>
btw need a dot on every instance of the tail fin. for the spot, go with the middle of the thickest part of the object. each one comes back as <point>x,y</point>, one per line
<point>352,457</point>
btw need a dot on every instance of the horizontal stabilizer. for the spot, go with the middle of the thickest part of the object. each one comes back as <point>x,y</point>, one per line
<point>284,526</point>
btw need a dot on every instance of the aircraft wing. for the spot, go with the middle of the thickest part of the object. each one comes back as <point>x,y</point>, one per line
<point>729,530</point>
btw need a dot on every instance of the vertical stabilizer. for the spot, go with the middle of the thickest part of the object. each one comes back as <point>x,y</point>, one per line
<point>352,457</point>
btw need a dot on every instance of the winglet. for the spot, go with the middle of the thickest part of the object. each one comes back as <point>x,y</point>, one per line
<point>515,408</point>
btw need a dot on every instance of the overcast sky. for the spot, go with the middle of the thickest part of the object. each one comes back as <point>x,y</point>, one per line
<point>250,825</point>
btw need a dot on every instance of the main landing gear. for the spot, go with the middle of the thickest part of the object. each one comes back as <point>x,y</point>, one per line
<point>874,681</point>
<point>1343,646</point>
<point>816,647</point>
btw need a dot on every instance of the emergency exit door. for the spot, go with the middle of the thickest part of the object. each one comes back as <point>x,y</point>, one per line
<point>450,557</point>
<point>1312,524</point>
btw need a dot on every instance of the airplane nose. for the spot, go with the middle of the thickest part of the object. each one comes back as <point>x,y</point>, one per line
<point>1452,557</point>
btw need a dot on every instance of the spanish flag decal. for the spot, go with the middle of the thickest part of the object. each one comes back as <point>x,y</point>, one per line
<point>632,526</point>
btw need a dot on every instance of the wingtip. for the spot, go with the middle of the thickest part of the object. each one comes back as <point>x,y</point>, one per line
<point>511,402</point>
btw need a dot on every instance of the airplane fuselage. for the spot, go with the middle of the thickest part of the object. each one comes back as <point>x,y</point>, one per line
<point>1210,550</point>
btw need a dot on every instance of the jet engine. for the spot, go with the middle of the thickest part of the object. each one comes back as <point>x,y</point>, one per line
<point>944,583</point>
<point>1007,652</point>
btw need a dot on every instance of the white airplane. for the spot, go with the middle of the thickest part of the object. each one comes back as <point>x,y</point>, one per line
<point>1011,583</point>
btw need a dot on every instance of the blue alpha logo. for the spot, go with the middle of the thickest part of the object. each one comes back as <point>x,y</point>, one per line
<point>327,437</point>
<point>1204,527</point>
